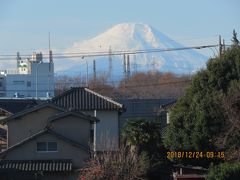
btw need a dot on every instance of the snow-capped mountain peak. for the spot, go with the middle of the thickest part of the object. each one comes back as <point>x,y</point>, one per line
<point>139,36</point>
<point>123,36</point>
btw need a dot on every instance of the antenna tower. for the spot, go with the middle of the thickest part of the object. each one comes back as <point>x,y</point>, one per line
<point>110,61</point>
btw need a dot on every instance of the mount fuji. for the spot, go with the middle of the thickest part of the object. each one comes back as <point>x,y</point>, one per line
<point>131,37</point>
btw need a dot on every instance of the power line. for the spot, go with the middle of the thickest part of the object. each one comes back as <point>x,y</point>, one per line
<point>112,82</point>
<point>106,53</point>
<point>57,84</point>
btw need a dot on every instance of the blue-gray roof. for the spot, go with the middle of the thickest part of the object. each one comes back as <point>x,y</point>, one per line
<point>16,105</point>
<point>143,107</point>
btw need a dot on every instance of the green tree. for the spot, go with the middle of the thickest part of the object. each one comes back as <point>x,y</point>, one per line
<point>231,131</point>
<point>145,138</point>
<point>224,171</point>
<point>142,134</point>
<point>235,39</point>
<point>198,116</point>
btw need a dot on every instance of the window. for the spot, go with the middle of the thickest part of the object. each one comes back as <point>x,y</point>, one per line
<point>18,82</point>
<point>41,146</point>
<point>46,146</point>
<point>52,146</point>
<point>28,83</point>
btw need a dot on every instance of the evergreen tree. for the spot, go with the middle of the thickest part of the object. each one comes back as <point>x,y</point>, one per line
<point>234,39</point>
<point>224,171</point>
<point>198,117</point>
<point>144,135</point>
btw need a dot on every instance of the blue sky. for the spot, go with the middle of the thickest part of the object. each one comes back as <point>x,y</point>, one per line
<point>24,24</point>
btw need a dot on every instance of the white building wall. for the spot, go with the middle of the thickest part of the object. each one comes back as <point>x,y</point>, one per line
<point>36,84</point>
<point>2,85</point>
<point>106,131</point>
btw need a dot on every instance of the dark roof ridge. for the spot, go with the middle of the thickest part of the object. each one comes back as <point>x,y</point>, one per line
<point>5,111</point>
<point>23,141</point>
<point>73,112</point>
<point>169,105</point>
<point>32,109</point>
<point>46,130</point>
<point>64,138</point>
<point>104,97</point>
<point>146,99</point>
<point>65,92</point>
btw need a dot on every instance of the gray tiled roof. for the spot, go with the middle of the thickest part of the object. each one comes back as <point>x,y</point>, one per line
<point>80,98</point>
<point>16,105</point>
<point>143,107</point>
<point>37,165</point>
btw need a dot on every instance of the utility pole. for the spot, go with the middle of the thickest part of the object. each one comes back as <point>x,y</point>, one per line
<point>50,62</point>
<point>49,48</point>
<point>134,64</point>
<point>87,74</point>
<point>124,65</point>
<point>224,48</point>
<point>18,60</point>
<point>110,61</point>
<point>94,70</point>
<point>220,46</point>
<point>128,66</point>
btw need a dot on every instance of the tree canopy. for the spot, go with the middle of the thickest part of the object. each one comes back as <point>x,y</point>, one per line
<point>224,171</point>
<point>235,39</point>
<point>142,134</point>
<point>145,136</point>
<point>198,117</point>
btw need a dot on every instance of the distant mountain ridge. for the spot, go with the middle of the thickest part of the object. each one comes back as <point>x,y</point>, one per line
<point>138,36</point>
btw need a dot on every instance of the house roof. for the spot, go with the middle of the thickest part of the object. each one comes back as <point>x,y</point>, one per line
<point>81,98</point>
<point>190,167</point>
<point>4,113</point>
<point>29,110</point>
<point>169,105</point>
<point>190,176</point>
<point>143,107</point>
<point>42,132</point>
<point>56,165</point>
<point>16,105</point>
<point>74,113</point>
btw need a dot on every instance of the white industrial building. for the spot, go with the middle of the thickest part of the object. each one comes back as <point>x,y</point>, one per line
<point>32,78</point>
